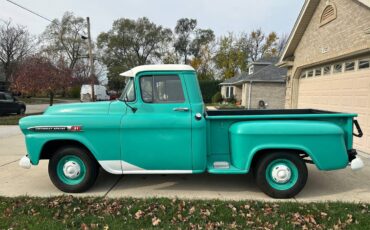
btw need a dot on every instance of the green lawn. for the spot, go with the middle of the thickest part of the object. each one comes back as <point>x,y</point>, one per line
<point>44,100</point>
<point>12,119</point>
<point>69,212</point>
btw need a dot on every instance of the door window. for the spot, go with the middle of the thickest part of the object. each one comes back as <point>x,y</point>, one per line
<point>161,89</point>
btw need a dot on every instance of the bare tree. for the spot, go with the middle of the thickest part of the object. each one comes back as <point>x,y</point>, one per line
<point>283,40</point>
<point>261,45</point>
<point>15,44</point>
<point>62,39</point>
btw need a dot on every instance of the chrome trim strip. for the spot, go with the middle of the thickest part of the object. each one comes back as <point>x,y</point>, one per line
<point>122,167</point>
<point>53,128</point>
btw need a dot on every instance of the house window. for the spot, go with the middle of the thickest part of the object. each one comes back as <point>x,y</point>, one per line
<point>329,14</point>
<point>327,69</point>
<point>364,64</point>
<point>251,69</point>
<point>349,66</point>
<point>229,91</point>
<point>310,73</point>
<point>318,72</point>
<point>337,68</point>
<point>303,74</point>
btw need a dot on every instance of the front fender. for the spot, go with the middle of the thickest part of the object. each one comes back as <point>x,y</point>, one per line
<point>100,134</point>
<point>322,141</point>
<point>36,142</point>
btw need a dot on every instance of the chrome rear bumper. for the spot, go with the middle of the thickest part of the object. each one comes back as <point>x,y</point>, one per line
<point>356,162</point>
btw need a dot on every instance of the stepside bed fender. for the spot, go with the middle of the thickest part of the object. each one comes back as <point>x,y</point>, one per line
<point>322,141</point>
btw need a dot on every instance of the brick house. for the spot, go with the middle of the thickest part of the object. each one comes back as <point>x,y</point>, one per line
<point>263,86</point>
<point>328,60</point>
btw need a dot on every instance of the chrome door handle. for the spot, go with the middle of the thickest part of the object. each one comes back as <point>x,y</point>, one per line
<point>181,109</point>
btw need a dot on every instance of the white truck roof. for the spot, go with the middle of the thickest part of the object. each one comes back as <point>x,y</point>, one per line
<point>164,67</point>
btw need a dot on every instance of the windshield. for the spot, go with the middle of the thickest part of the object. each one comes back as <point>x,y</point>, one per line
<point>128,93</point>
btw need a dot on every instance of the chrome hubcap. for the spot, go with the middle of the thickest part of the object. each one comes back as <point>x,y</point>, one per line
<point>281,173</point>
<point>71,169</point>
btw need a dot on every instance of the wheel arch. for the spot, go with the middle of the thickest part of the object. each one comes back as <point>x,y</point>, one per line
<point>258,153</point>
<point>53,145</point>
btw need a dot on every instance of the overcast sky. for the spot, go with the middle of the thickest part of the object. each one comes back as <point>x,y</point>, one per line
<point>222,16</point>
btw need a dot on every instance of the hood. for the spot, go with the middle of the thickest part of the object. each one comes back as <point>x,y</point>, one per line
<point>91,108</point>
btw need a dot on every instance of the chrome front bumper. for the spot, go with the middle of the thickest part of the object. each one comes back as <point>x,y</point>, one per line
<point>25,162</point>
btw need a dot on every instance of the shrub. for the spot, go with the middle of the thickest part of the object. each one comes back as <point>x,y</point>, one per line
<point>74,92</point>
<point>209,88</point>
<point>217,98</point>
<point>231,100</point>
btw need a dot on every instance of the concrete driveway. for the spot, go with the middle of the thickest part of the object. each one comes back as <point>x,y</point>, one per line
<point>342,185</point>
<point>36,108</point>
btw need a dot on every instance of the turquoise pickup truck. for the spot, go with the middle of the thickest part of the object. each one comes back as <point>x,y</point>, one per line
<point>160,126</point>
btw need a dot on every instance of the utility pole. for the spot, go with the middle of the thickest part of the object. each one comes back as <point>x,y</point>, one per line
<point>91,58</point>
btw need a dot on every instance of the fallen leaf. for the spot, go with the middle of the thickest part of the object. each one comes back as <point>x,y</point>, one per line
<point>155,221</point>
<point>191,210</point>
<point>84,226</point>
<point>139,214</point>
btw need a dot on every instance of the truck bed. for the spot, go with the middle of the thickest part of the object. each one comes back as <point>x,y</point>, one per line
<point>220,121</point>
<point>273,114</point>
<point>238,112</point>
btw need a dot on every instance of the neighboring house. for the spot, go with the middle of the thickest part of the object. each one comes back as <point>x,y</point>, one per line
<point>262,86</point>
<point>328,60</point>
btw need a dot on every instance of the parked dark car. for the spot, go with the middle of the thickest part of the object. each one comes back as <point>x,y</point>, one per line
<point>9,104</point>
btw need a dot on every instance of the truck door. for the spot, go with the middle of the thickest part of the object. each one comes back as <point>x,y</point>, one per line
<point>157,137</point>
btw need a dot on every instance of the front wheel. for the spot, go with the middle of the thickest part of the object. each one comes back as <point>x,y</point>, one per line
<point>281,174</point>
<point>72,169</point>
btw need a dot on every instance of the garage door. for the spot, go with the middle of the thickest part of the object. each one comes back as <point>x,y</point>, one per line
<point>343,92</point>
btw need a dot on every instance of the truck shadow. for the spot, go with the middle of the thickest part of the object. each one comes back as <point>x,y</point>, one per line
<point>321,186</point>
<point>341,185</point>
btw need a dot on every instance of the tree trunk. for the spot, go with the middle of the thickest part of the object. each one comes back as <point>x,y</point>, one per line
<point>51,94</point>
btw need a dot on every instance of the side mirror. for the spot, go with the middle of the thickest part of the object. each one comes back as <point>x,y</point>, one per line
<point>125,100</point>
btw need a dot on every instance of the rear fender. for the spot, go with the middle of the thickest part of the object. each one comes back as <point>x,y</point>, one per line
<point>322,141</point>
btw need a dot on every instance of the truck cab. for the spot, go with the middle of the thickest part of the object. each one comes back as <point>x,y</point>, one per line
<point>160,125</point>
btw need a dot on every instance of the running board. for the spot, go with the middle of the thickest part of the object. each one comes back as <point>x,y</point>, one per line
<point>223,167</point>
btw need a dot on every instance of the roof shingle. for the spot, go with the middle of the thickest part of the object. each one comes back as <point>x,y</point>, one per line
<point>269,73</point>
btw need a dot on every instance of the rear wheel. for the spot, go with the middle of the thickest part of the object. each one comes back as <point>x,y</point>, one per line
<point>281,174</point>
<point>73,170</point>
